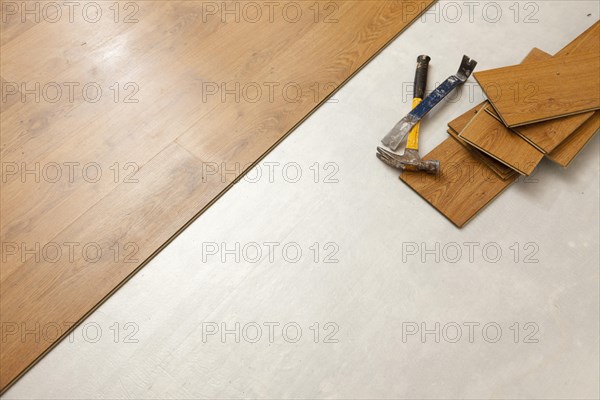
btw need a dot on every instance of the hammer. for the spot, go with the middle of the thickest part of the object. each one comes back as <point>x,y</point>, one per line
<point>410,160</point>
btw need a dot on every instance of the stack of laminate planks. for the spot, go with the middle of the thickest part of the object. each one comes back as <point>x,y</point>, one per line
<point>545,107</point>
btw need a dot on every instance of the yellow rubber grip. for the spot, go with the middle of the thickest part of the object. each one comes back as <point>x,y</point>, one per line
<point>413,137</point>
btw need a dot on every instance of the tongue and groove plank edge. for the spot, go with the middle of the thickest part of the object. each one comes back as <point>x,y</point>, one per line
<point>490,136</point>
<point>458,124</point>
<point>500,169</point>
<point>564,154</point>
<point>171,190</point>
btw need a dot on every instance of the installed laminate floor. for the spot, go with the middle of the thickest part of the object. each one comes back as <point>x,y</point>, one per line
<point>121,122</point>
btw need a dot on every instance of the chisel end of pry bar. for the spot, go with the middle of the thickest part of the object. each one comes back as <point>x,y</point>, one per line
<point>398,133</point>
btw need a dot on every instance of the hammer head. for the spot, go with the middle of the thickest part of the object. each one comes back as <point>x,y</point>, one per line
<point>409,161</point>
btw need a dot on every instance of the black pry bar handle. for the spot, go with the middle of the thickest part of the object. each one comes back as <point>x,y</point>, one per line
<point>421,76</point>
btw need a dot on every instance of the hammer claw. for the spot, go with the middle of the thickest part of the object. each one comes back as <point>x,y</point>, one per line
<point>383,153</point>
<point>386,153</point>
<point>410,161</point>
<point>386,159</point>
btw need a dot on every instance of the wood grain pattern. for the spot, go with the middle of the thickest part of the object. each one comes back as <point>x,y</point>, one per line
<point>564,154</point>
<point>547,135</point>
<point>553,137</point>
<point>464,186</point>
<point>458,124</point>
<point>499,169</point>
<point>490,136</point>
<point>538,91</point>
<point>174,54</point>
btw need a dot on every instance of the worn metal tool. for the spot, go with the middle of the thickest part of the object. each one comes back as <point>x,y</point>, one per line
<point>403,127</point>
<point>411,161</point>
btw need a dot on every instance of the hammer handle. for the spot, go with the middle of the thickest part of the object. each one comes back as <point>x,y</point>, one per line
<point>419,92</point>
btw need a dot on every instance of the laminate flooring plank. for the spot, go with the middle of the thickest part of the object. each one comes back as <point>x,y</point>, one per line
<point>459,123</point>
<point>547,135</point>
<point>175,55</point>
<point>532,133</point>
<point>490,136</point>
<point>568,149</point>
<point>500,169</point>
<point>564,154</point>
<point>545,90</point>
<point>464,186</point>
